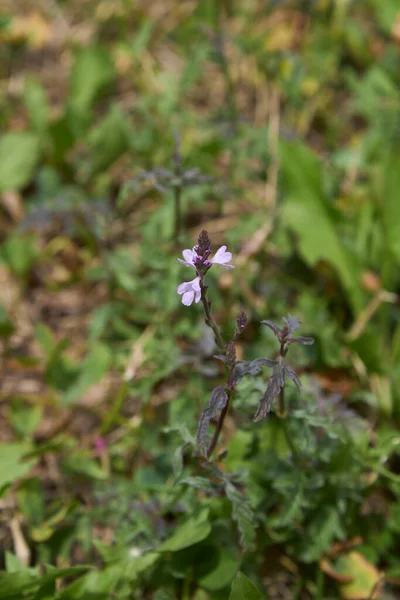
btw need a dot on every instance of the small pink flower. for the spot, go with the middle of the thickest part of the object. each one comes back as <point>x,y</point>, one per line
<point>190,290</point>
<point>222,258</point>
<point>101,445</point>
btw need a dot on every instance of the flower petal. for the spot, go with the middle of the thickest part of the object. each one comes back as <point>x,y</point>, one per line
<point>189,256</point>
<point>187,298</point>
<point>184,262</point>
<point>222,257</point>
<point>184,287</point>
<point>196,284</point>
<point>197,296</point>
<point>219,254</point>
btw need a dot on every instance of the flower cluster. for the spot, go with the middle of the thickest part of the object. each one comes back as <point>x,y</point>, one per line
<point>199,258</point>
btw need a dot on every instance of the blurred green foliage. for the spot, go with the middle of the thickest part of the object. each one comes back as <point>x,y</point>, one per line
<point>287,115</point>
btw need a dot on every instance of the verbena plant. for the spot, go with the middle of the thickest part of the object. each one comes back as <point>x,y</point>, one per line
<point>196,290</point>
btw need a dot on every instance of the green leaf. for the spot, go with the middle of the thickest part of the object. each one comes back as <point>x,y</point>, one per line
<point>6,325</point>
<point>223,572</point>
<point>19,252</point>
<point>324,529</point>
<point>109,139</point>
<point>92,71</point>
<point>19,153</point>
<point>25,418</point>
<point>31,501</point>
<point>142,38</point>
<point>11,465</point>
<point>365,576</point>
<point>244,589</point>
<point>94,585</point>
<point>196,529</point>
<point>306,212</point>
<point>390,204</point>
<point>81,462</point>
<point>94,367</point>
<point>36,103</point>
<point>243,515</point>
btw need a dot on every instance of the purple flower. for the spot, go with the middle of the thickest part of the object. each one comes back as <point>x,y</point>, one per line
<point>193,259</point>
<point>190,290</point>
<point>189,256</point>
<point>222,257</point>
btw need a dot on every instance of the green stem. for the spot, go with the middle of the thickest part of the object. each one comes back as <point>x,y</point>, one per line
<point>230,88</point>
<point>178,211</point>
<point>290,443</point>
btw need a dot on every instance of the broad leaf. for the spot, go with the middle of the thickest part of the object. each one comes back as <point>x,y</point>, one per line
<point>196,529</point>
<point>244,589</point>
<point>12,465</point>
<point>19,153</point>
<point>92,71</point>
<point>306,211</point>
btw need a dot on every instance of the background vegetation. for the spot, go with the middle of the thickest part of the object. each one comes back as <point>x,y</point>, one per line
<point>127,128</point>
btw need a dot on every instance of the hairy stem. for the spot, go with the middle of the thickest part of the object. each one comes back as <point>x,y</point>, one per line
<point>220,424</point>
<point>209,320</point>
<point>282,412</point>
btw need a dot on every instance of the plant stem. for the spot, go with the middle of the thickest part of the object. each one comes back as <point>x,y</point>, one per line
<point>220,424</point>
<point>177,187</point>
<point>291,445</point>
<point>230,88</point>
<point>177,194</point>
<point>209,320</point>
<point>282,412</point>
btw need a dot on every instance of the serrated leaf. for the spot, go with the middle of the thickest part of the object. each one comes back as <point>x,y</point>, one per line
<point>306,341</point>
<point>292,375</point>
<point>275,328</point>
<point>292,323</point>
<point>253,367</point>
<point>244,589</point>
<point>243,514</point>
<point>324,529</point>
<point>218,401</point>
<point>275,384</point>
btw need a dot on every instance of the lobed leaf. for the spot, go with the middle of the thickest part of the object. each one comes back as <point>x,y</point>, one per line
<point>277,330</point>
<point>292,375</point>
<point>275,384</point>
<point>242,513</point>
<point>218,400</point>
<point>253,367</point>
<point>292,323</point>
<point>306,341</point>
